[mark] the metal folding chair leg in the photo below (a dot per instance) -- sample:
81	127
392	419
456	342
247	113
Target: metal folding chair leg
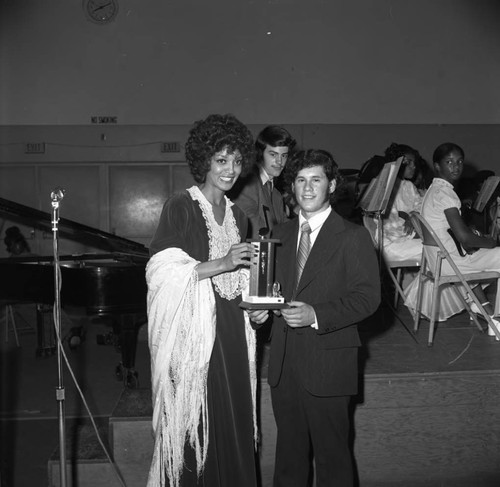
10	321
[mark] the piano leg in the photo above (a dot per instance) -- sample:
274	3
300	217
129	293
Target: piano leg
46	337
129	327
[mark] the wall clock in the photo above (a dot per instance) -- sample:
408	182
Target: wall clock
101	11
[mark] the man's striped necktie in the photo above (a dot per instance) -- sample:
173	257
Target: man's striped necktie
303	250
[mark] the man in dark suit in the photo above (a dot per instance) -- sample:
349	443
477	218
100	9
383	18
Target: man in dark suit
313	360
257	194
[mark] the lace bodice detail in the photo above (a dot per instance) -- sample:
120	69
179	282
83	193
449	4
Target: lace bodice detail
220	239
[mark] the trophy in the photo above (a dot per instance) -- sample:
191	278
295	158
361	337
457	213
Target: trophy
263	292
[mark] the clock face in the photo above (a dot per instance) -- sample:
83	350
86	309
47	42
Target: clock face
101	11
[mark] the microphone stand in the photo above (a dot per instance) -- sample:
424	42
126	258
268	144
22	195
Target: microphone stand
56	197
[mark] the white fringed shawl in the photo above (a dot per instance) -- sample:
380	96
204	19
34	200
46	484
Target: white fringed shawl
181	329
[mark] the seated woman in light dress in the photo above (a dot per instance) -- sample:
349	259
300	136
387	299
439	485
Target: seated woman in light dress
399	239
441	209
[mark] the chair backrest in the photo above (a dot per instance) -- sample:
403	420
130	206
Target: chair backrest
423	229
429	238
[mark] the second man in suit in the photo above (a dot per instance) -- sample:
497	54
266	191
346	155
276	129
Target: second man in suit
257	194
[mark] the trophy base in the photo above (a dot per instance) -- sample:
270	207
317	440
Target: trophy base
255	302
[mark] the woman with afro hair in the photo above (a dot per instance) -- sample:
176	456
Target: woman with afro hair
201	342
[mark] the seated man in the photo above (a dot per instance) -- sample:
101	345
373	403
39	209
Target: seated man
256	194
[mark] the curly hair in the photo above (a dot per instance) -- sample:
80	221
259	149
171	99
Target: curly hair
309	158
423	174
395	151
213	134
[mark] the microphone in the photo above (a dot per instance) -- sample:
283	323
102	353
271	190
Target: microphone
57	194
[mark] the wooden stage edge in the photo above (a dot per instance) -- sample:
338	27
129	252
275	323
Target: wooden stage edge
432	428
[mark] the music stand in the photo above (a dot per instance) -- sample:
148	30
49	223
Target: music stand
485	193
375	199
487	190
374	204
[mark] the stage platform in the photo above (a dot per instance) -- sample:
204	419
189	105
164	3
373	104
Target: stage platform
424	416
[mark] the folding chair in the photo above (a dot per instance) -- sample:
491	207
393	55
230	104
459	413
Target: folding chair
395	268
430	239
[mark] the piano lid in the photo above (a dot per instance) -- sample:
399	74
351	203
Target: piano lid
72	230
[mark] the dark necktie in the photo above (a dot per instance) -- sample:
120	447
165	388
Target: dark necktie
268	186
303	250
269	191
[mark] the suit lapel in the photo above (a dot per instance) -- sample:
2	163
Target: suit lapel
287	256
326	244
278	205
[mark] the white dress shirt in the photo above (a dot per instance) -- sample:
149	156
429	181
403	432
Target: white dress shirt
315	222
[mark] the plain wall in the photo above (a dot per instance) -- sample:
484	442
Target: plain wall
347	76
351	144
281	61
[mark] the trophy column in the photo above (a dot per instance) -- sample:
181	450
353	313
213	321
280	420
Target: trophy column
263	292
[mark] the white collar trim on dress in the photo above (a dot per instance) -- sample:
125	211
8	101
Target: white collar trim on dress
443	182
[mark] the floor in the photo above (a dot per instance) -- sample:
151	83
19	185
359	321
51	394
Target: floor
29	418
29	423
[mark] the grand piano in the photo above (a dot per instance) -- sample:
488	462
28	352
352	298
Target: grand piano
110	284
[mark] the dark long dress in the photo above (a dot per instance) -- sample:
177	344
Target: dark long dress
231	456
